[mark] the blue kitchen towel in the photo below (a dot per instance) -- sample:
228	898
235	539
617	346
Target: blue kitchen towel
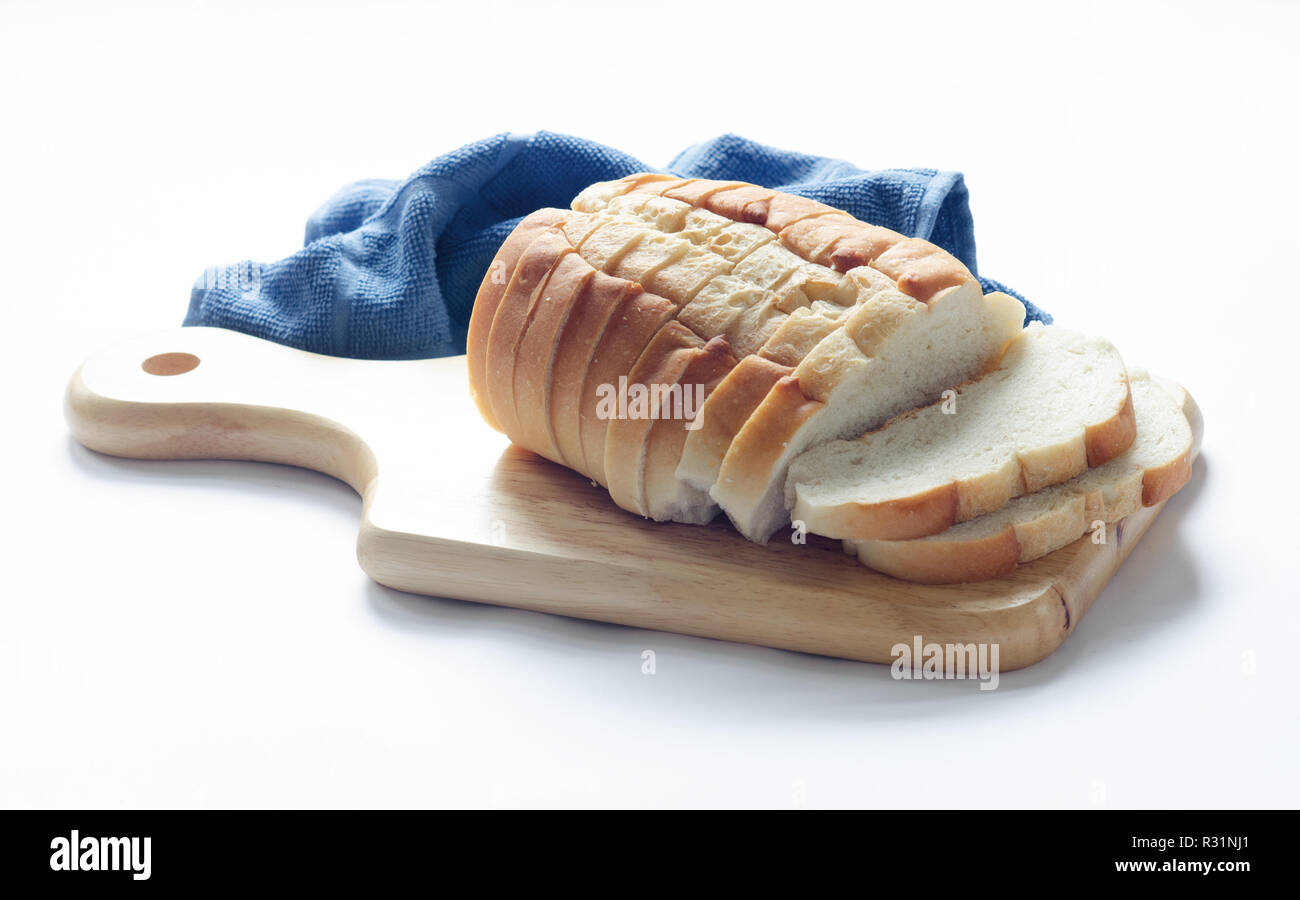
390	268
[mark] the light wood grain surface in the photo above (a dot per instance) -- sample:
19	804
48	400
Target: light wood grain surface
452	509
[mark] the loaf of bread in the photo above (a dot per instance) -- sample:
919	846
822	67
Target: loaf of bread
839	325
698	345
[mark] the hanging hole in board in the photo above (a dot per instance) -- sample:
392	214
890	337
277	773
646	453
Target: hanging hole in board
170	363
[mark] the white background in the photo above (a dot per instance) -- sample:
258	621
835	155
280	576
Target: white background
199	634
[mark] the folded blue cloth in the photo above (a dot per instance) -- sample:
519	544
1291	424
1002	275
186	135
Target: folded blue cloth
389	269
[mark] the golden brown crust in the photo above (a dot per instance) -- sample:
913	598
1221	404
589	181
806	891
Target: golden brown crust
522	294
726	411
857	247
625	337
787	210
490	291
966	561
1159	484
667	437
918	515
1107	440
921	269
696	190
535	363
641	180
601	298
762	440
747	203
663	362
815	236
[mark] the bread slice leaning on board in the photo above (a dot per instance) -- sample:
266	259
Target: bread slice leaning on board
684	342
1057	403
1151	471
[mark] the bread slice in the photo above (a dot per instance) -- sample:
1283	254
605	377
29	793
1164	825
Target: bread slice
491	290
732	241
668	498
772	267
1057	403
591	311
660	213
740	394
631	405
712	301
613	238
653	252
725	411
598	196
1152	470
893	353
819	248
688	253
814	231
527	287
675	373
732	307
627	333
692	191
682	279
534	374
762	206
854	323
800	332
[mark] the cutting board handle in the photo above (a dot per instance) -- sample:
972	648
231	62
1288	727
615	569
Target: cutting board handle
210	393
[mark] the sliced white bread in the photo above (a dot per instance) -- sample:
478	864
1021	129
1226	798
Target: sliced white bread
832	367
688	257
724	413
603	240
534	373
598	196
815	232
740	394
682	279
667	498
635	401
872	323
592	310
892	354
527	287
762	268
491	290
1057	403
720	307
1155	467
627	333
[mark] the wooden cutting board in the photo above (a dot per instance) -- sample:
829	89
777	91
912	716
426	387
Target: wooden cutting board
451	508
